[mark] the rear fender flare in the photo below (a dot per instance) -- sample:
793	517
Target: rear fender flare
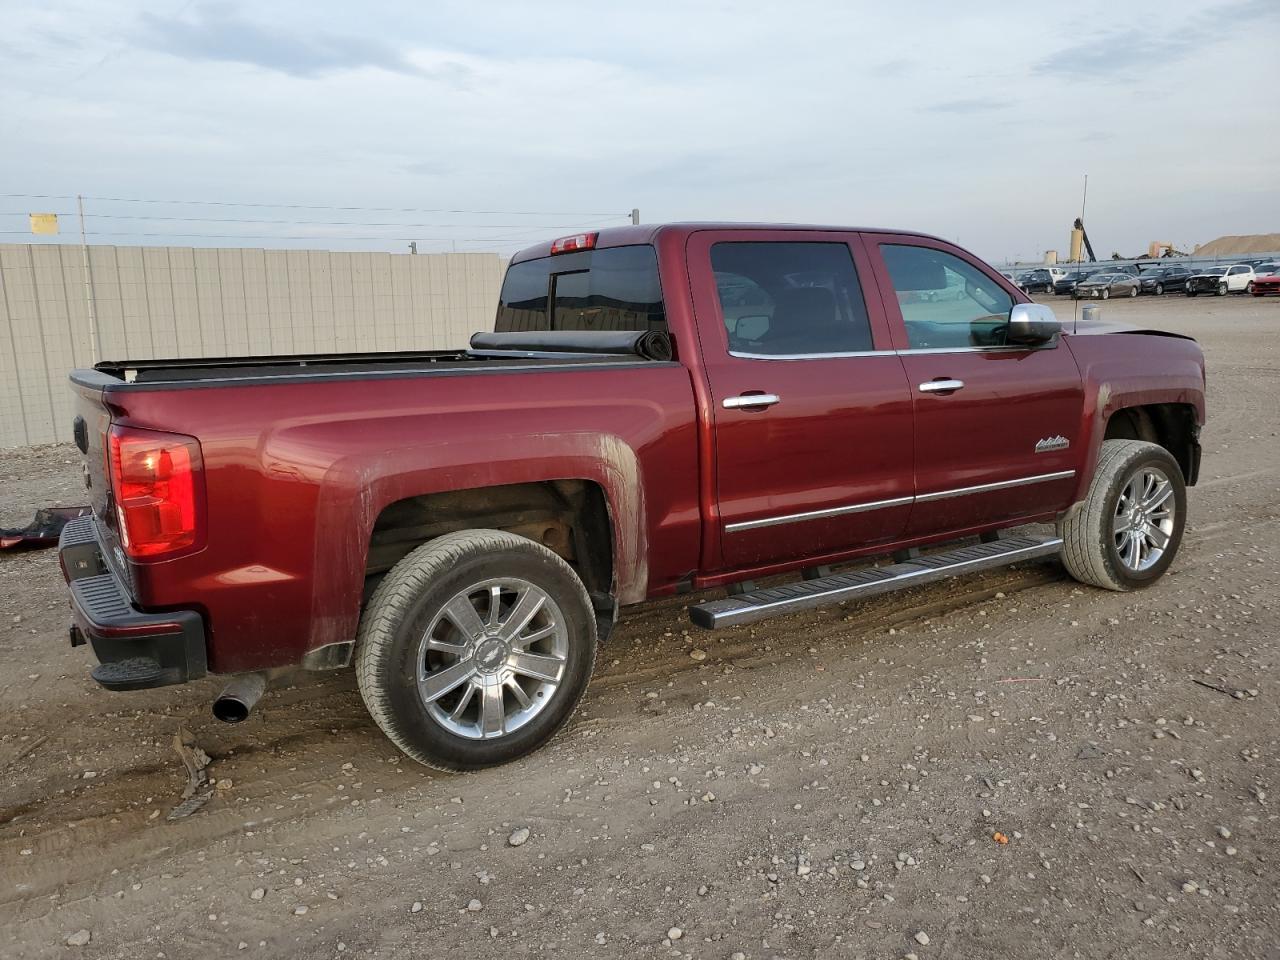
357	488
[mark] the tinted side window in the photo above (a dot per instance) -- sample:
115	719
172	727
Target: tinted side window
616	288
785	297
523	302
945	301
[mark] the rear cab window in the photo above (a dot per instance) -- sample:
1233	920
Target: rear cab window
790	298
614	288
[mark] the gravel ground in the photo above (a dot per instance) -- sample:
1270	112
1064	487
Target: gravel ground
1008	765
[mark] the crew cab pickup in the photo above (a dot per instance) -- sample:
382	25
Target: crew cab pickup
659	409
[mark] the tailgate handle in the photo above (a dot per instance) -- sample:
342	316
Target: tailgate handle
80	433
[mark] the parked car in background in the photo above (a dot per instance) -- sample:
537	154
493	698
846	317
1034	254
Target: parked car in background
1266	279
1040	280
1067	284
1104	286
1221	280
1161	279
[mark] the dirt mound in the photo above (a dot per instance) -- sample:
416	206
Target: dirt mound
1230	245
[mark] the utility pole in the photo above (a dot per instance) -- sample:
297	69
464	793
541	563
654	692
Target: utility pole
95	346
635	216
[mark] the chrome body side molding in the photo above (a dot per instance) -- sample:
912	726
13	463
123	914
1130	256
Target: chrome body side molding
895	502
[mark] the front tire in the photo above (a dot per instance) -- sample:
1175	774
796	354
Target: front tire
1222	289
1106	294
475	649
1126	532
1159	289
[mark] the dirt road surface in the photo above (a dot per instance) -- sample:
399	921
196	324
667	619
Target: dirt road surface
825	785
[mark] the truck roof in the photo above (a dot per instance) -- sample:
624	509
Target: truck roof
648	233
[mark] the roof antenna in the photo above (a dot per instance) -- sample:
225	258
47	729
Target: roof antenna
1075	310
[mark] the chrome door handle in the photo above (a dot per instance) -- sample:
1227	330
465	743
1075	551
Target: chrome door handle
751	400
941	386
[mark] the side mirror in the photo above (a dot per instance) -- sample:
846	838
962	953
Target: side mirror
1033	323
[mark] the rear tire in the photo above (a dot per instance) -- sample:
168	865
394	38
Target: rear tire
1126	532
1249	288
446	645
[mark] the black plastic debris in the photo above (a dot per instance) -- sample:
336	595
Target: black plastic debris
42	531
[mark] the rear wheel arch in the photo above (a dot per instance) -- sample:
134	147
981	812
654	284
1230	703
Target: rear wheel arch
571	517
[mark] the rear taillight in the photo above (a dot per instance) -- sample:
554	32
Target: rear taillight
579	241
158	483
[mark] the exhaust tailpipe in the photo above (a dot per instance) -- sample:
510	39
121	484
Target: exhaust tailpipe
239	697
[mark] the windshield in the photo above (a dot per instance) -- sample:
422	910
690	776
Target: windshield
1214	272
615	288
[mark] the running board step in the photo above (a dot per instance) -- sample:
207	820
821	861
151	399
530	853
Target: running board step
807	594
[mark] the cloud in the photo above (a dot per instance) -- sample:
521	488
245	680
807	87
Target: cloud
1128	52
892	68
509	106
217	32
964	106
1131	52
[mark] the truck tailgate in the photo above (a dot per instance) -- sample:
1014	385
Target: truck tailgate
89	430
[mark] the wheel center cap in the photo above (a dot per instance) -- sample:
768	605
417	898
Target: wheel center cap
490	654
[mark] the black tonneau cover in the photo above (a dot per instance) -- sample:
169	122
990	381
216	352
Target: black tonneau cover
490	352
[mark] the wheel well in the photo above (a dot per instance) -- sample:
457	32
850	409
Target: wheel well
569	517
1171	425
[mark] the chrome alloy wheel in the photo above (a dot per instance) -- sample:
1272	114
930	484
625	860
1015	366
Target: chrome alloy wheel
1144	519
492	658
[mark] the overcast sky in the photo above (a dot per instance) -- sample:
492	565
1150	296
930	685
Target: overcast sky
972	124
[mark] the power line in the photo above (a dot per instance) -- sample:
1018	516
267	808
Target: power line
259	236
524	232
300	206
301	223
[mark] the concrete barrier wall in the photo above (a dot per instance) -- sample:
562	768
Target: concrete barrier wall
155	302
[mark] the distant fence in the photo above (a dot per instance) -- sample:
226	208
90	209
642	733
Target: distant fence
154	302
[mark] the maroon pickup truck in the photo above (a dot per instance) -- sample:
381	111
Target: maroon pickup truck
659	409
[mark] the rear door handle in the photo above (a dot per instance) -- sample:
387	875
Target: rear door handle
941	386
751	400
